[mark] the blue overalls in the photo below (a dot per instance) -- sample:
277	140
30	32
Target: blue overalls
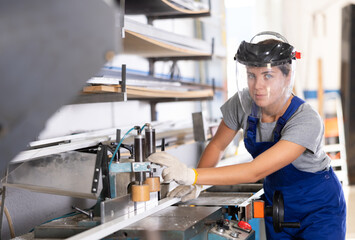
316	200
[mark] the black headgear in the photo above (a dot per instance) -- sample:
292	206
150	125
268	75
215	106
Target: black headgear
264	54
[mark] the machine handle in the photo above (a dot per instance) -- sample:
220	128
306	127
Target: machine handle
244	225
276	211
87	213
163	144
290	225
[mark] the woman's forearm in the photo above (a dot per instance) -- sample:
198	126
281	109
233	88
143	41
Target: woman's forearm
215	149
273	159
228	175
210	157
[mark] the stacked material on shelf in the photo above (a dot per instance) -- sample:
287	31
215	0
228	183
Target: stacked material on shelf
142	92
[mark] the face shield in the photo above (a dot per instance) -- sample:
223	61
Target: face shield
265	73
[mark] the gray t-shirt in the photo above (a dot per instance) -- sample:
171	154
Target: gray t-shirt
304	127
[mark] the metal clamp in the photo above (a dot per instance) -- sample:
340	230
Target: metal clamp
140	166
130	167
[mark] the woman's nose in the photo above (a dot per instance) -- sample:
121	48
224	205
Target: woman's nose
258	83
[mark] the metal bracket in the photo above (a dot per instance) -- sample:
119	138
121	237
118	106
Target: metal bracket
95	180
101	163
106	188
130	167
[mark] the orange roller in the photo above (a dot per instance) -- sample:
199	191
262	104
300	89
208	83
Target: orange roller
154	184
140	193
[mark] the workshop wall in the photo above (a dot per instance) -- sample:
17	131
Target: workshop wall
244	19
315	28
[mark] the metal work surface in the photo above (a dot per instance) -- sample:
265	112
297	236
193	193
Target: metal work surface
169	223
173	218
118	207
112	226
220	199
173	223
65	227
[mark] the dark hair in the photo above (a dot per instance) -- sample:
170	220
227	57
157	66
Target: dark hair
284	68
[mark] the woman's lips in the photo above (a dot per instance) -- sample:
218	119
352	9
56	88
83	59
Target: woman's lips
260	95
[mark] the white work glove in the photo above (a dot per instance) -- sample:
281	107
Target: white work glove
186	192
175	170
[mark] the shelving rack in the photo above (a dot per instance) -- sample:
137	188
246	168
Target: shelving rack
112	80
147	41
165	9
155	44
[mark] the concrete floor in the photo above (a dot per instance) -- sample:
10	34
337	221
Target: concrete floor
349	192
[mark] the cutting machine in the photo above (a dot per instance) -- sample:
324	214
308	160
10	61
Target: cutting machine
131	201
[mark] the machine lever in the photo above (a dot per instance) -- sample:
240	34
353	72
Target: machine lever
276	211
163	144
290	225
90	214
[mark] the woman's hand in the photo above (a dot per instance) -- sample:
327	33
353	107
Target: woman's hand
175	170
186	192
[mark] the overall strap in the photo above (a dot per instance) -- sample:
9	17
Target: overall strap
252	122
251	131
295	103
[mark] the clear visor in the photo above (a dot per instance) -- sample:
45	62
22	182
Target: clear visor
265	90
268	35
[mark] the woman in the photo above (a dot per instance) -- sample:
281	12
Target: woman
282	133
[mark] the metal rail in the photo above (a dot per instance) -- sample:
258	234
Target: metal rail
112	226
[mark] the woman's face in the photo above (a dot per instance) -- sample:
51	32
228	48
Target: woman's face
268	86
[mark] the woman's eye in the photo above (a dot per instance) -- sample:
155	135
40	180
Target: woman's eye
268	76
251	76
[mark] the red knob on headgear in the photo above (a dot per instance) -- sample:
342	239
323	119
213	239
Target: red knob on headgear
297	55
